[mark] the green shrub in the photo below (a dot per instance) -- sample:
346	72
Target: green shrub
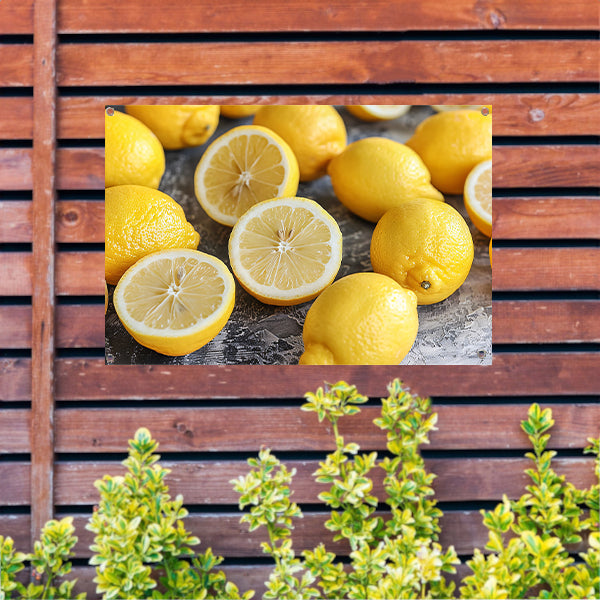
142	549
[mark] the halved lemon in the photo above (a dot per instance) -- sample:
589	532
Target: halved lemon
244	166
175	301
378	112
478	196
285	251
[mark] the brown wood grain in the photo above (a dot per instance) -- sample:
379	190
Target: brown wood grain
546	218
514	114
380	15
15	429
291	429
76	221
546	321
339	62
15	169
204	483
77	274
43	266
80	169
546	166
337	15
17	118
16	66
223	532
526	269
77	326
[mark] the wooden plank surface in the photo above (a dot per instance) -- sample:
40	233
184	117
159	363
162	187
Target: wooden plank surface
372	62
290	429
16	66
373	15
528	269
548	218
15	167
77	326
517	374
15	434
336	15
208	482
546	321
514	114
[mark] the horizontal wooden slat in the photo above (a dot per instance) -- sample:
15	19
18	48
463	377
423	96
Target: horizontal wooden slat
229	538
16	66
16	488
297	15
17	118
525	269
77	274
546	166
77	326
514	114
339	62
290	429
546	321
76	221
15	169
520	374
80	169
15	433
528	374
546	218
458	480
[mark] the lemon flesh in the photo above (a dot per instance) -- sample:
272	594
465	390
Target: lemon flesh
361	319
175	301
478	197
244	166
285	251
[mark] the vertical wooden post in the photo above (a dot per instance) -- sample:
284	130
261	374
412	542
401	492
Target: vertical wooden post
42	348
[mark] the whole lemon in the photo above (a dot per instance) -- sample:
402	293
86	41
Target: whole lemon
451	143
178	126
133	154
374	174
361	319
424	245
140	220
316	133
239	111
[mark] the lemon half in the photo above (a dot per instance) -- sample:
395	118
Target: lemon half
285	251
244	166
478	196
175	301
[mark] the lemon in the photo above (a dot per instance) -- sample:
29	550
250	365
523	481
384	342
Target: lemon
244	166
140	220
178	126
424	245
285	251
451	143
175	301
239	111
133	154
478	196
379	112
374	174
361	319
316	133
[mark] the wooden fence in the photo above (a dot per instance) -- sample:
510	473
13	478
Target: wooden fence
65	416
